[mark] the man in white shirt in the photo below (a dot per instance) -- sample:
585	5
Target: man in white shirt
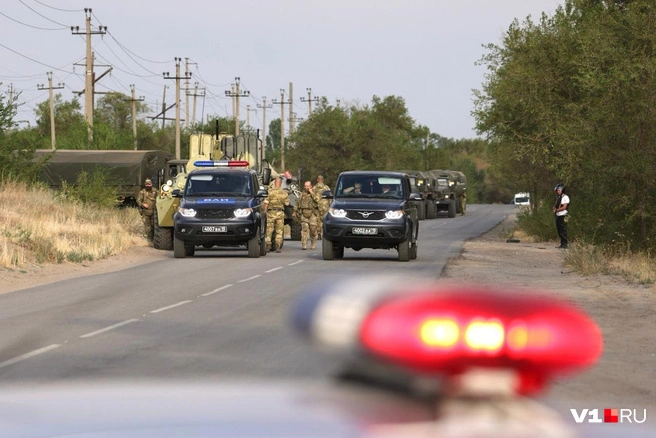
560	210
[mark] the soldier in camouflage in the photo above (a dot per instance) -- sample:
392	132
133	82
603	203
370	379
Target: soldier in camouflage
322	204
307	210
146	203
274	206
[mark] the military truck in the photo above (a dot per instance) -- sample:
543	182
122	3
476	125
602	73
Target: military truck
202	147
418	185
444	192
127	169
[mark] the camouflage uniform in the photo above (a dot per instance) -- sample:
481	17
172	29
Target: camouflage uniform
277	200
146	203
463	202
306	209
323	204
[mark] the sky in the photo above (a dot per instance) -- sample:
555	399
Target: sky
344	50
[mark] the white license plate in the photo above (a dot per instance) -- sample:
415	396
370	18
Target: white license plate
363	231
209	229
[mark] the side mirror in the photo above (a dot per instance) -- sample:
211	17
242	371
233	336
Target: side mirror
326	194
415	196
262	193
176	193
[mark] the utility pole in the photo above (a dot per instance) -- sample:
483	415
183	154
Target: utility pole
177	103
52	105
295	119
195	94
248	117
164	106
89	79
291	108
186	88
10	91
264	107
236	93
282	126
309	100
134	101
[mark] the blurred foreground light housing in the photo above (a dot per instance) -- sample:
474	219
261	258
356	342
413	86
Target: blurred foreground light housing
221	163
449	330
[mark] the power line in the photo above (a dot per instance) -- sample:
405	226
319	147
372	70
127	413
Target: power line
58	9
41	15
29	25
31	59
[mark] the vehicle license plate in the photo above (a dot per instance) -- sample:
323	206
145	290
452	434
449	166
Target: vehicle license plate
365	231
209	229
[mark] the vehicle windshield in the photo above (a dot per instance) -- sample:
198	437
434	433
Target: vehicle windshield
370	186
224	184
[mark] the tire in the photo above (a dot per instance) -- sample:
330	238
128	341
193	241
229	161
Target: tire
458	210
162	236
339	252
178	249
327	249
452	208
254	246
431	209
404	251
296	231
263	250
413	251
190	250
421	210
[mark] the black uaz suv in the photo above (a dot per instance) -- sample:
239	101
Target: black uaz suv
371	209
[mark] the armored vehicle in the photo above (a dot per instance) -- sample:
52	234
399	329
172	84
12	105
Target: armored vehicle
379	214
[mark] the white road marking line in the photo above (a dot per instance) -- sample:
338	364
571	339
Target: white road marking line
111	327
274	269
216	290
249	278
295	263
28	355
161	309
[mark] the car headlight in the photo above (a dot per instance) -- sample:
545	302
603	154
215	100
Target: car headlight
243	212
337	212
394	214
166	188
187	212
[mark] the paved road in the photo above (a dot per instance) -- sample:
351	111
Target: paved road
218	314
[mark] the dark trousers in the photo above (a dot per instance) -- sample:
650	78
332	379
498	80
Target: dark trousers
561	227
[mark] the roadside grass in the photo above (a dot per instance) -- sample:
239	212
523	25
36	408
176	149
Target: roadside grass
587	259
38	225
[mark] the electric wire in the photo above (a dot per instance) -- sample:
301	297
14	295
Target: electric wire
58	9
43	16
29	25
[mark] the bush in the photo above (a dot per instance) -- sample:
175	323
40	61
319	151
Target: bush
539	223
94	187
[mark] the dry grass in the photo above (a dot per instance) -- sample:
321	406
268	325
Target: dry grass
38	225
637	268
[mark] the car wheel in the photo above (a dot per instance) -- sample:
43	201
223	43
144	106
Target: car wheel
190	250
404	251
452	208
162	237
178	248
254	246
339	252
431	209
413	251
421	210
327	249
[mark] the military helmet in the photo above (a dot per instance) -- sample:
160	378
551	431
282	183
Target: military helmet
559	186
148	182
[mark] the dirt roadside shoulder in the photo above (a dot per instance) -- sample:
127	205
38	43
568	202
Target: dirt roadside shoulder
625	376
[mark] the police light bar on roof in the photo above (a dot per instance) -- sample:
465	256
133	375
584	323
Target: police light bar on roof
446	330
221	163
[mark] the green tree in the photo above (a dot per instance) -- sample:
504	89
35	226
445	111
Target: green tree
570	99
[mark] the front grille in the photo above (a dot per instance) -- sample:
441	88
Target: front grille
215	213
365	215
